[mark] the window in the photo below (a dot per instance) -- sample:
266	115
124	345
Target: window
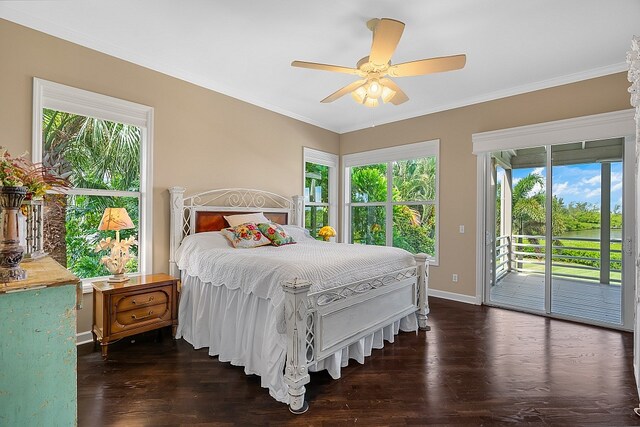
103	145
320	190
391	198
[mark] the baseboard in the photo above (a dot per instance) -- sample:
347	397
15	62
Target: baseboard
84	338
453	296
87	337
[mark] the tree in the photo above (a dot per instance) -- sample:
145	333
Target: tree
316	177
528	207
413	225
96	154
368	184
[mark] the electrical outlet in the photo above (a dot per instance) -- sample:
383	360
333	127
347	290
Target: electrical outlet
454	278
462	229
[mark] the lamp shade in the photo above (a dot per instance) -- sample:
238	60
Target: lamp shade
115	219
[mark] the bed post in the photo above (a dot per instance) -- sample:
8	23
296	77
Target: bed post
175	227
298	211
423	289
296	313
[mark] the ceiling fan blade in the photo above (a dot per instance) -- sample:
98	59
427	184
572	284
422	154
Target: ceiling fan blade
400	96
428	66
324	67
345	90
386	36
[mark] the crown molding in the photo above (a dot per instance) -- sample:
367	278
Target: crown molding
73	36
516	90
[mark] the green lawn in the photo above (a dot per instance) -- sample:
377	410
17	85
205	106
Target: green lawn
569	266
565	268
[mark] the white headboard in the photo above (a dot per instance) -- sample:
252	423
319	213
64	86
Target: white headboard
186	211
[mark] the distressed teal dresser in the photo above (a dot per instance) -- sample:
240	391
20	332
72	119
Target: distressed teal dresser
38	356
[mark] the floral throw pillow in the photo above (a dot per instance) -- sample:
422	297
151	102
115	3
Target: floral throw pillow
275	233
245	236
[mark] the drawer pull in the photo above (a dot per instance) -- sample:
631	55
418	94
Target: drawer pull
134	317
149	300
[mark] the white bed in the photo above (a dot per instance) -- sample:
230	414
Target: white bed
282	311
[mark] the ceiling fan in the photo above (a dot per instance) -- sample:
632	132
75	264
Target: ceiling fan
374	68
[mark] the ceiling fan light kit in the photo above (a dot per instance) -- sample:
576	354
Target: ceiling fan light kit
373	85
359	94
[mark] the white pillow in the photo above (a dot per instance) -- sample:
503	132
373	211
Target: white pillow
298	233
207	240
235	220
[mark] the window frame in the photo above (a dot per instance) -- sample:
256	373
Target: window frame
311	155
387	156
56	96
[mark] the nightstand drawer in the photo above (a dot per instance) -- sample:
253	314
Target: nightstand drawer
130	302
140	317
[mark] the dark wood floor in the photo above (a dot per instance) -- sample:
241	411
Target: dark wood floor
477	366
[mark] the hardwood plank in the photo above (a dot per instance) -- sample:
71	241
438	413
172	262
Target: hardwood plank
477	366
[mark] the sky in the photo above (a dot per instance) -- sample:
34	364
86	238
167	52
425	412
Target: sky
578	183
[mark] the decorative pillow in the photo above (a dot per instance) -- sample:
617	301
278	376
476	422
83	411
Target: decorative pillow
275	233
236	220
245	236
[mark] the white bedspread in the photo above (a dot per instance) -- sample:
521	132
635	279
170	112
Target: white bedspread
240	318
241	329
262	270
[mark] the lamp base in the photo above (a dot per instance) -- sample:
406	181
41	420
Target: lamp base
117	278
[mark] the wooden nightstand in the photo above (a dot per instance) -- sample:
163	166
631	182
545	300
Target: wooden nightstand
143	303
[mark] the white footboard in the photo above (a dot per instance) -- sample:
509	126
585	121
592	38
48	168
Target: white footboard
321	323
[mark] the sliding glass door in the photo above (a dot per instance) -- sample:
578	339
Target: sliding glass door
519	198
587	218
555	217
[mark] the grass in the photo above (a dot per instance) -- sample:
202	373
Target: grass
565	268
570	266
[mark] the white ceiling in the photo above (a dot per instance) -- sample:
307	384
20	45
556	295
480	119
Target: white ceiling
244	48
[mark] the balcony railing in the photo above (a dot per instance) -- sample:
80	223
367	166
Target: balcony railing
526	254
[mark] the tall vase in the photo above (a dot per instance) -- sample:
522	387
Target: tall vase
11	252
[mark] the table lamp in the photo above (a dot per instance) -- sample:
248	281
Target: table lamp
116	219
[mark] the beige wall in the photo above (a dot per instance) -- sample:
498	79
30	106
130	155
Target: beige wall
458	165
202	136
202	139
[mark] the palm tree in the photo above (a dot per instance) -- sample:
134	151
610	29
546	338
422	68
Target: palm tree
415	180
528	208
368	184
529	216
414	226
92	153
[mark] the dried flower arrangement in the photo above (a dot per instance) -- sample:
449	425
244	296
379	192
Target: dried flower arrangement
21	172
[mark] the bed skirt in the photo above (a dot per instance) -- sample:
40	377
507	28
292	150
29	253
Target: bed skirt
243	329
